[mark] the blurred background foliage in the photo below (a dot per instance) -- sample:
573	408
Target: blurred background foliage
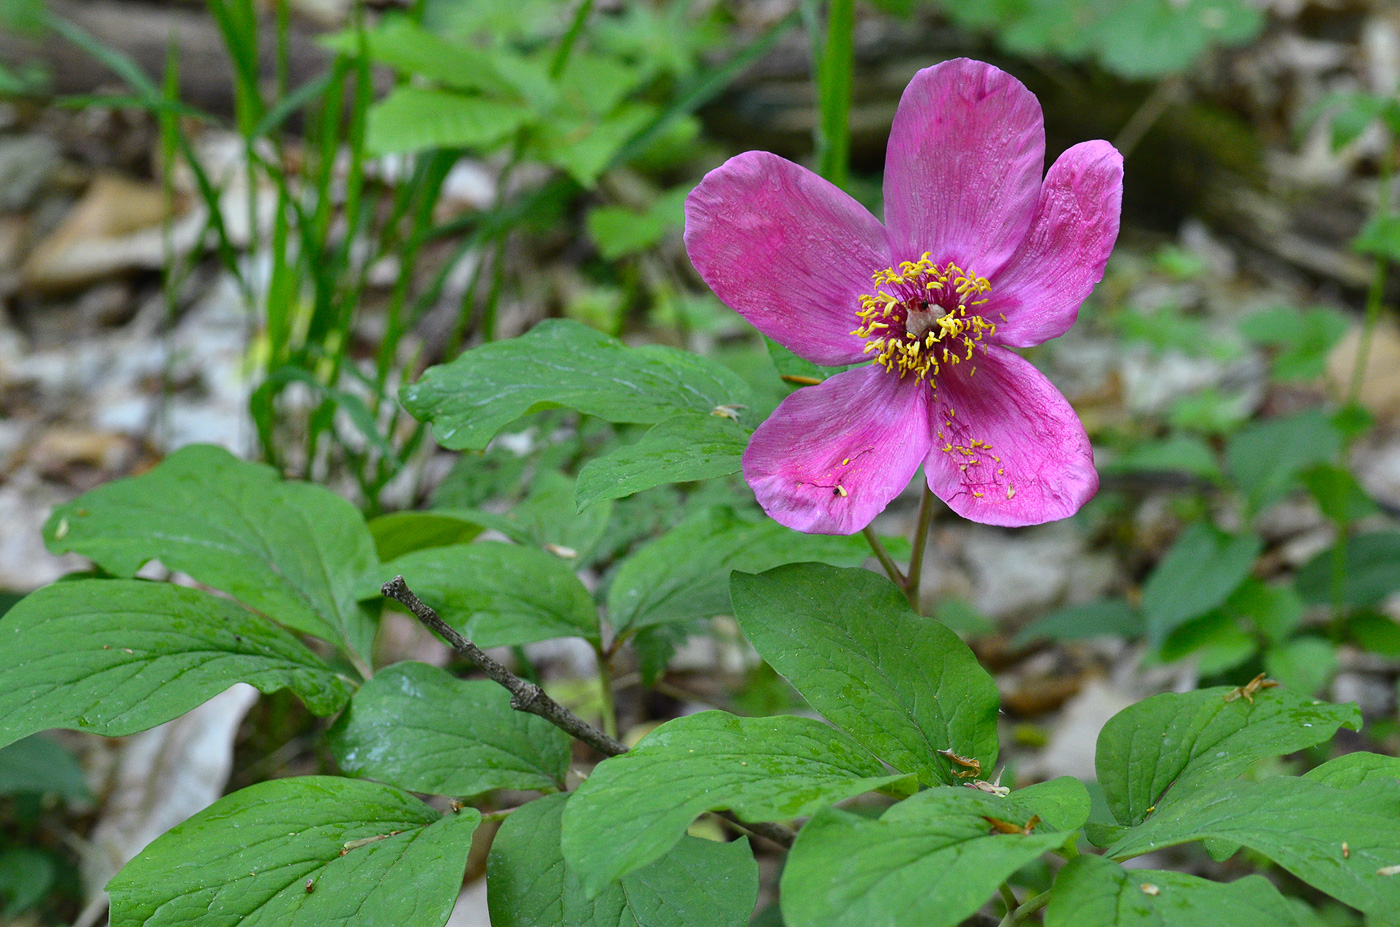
300	205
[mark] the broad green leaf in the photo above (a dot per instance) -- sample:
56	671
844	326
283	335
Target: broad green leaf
40	764
418	118
1376	632
685	573
1304	664
417	727
930	861
1369	571
584	146
1274	610
1304	338
406	46
400	533
699	883
1063	803
548	518
619	231
301	852
564	363
682	449
1095	892
1338	493
1162	749
1198	574
634	807
115	657
499	594
1339	840
293	551
1184	453
1215	640
1266	457
1353	769
903	685
1100	618
26	876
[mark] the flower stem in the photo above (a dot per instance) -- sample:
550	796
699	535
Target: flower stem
605	691
1031	906
1008	898
916	557
883	556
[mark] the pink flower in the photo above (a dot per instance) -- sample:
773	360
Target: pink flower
977	255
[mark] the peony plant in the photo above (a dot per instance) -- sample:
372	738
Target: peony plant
883	805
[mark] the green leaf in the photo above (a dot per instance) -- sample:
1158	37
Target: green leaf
1198	574
1158	752
115	657
41	765
903	685
1100	618
1215	640
682	449
407	47
1179	453
293	551
1337	840
1376	632
1338	494
1305	664
1095	892
418	118
1265	458
1304	337
400	533
1063	802
634	807
499	594
418	727
699	883
1369	573
584	146
301	852
1380	238
619	231
685	573
1353	769
564	363
1274	610
930	861
26	876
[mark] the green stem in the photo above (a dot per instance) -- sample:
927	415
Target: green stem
1031	906
883	556
916	557
835	77
1008	897
566	46
605	690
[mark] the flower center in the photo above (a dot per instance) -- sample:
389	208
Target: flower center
922	316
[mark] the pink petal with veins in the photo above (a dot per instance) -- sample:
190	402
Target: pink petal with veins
832	456
1007	447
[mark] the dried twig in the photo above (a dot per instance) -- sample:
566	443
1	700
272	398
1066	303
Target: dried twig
528	697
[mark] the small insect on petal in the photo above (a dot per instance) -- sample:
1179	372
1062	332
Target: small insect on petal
1149	889
310	886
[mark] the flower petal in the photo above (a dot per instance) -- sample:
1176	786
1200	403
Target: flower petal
1063	255
832	456
1007	447
963	166
788	251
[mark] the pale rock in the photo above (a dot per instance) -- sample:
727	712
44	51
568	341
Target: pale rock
1070	751
163	776
26	163
1380	387
471	908
1032	568
25	503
